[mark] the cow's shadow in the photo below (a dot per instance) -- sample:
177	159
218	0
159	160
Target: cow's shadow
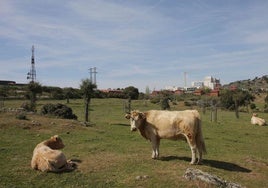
212	163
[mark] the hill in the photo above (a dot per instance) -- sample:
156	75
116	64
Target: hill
258	84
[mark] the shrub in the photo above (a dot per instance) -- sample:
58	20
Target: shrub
21	116
58	110
29	107
165	104
252	106
155	100
189	103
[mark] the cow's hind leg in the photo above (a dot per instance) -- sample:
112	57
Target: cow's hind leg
155	146
200	155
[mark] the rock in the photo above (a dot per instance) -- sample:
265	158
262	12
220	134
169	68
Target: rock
196	174
142	177
35	123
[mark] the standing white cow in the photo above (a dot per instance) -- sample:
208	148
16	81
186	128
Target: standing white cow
157	124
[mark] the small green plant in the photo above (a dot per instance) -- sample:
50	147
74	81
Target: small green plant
252	106
21	116
29	107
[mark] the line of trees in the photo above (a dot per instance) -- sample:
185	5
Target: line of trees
229	99
34	90
50	92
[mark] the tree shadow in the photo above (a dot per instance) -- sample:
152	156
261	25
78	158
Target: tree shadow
212	163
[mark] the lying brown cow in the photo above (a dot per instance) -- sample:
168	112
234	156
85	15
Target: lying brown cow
255	120
47	157
156	124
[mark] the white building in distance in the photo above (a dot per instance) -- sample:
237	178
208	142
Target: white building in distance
171	88
198	84
209	82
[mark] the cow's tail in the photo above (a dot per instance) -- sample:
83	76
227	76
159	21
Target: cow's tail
199	137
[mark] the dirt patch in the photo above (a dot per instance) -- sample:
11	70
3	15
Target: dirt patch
100	162
256	162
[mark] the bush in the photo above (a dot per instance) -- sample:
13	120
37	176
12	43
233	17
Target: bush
58	110
190	103
165	104
252	106
21	116
27	106
155	100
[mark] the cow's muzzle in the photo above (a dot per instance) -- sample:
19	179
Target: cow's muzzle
133	129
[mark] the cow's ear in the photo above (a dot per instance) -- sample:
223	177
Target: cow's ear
55	137
127	116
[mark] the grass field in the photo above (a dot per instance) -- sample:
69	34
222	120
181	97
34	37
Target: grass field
109	155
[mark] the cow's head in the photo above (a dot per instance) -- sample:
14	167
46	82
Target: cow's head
55	142
136	119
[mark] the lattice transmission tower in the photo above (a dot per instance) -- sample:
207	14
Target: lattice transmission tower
93	72
32	74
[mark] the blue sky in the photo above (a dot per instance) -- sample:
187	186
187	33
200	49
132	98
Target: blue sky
133	42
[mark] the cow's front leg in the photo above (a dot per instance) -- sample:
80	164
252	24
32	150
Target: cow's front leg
194	151
155	146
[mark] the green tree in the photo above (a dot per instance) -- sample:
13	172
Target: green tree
68	92
33	89
87	89
4	91
227	99
131	92
57	93
232	100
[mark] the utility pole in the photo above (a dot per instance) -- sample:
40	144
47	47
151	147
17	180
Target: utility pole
92	73
185	82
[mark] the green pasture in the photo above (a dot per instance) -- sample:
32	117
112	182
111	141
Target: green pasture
108	154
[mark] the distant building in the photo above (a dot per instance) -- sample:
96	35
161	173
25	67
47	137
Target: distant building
155	93
171	88
212	83
198	84
109	90
7	82
209	82
179	91
189	89
214	93
199	92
